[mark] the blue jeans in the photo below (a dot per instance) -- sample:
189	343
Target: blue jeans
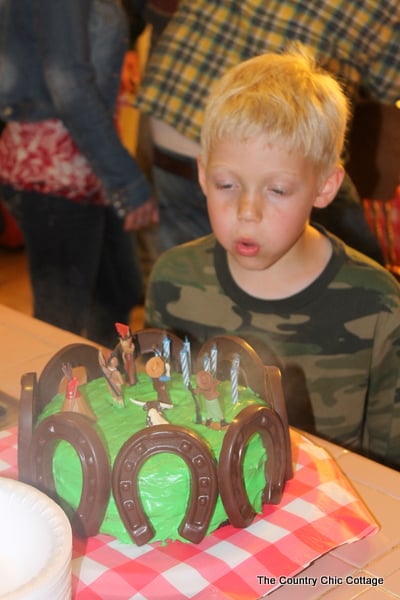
183	210
82	266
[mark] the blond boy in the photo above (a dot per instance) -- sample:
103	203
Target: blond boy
272	137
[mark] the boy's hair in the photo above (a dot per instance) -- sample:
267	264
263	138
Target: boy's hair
287	97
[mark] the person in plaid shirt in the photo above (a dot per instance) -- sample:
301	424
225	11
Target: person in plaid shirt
327	315
359	43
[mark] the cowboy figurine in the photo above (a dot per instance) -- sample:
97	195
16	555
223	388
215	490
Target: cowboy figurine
155	368
109	365
207	387
127	352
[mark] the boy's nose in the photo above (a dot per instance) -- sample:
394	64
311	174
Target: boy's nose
249	208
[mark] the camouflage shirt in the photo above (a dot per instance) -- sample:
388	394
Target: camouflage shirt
337	342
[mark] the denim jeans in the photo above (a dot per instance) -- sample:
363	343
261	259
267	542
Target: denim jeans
183	210
82	266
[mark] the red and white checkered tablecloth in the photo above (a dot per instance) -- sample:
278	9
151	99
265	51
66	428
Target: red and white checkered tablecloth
319	511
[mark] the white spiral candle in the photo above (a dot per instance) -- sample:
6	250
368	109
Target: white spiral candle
185	367
214	359
235	378
166	348
186	345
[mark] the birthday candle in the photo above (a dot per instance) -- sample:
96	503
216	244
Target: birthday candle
214	358
235	378
166	347
206	362
185	367
186	345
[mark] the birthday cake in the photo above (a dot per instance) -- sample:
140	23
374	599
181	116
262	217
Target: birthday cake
148	443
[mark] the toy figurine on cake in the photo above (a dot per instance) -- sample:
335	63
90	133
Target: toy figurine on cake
211	433
207	386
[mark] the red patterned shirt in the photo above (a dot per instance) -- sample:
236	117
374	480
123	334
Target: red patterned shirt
43	157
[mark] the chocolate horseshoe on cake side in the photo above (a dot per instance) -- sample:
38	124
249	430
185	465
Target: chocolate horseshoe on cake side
75	429
204	490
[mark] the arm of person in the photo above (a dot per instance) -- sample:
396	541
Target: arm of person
183	294
382	422
134	10
380	73
157	297
84	96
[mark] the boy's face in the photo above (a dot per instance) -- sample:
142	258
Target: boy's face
259	200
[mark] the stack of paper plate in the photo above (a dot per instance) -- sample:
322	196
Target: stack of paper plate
35	545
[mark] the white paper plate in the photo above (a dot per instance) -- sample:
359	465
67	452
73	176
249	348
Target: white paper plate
35	545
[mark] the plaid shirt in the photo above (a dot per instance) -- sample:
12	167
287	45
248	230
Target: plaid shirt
359	42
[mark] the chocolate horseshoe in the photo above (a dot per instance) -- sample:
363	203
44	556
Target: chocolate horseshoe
27	415
273	379
204	488
96	473
265	422
78	355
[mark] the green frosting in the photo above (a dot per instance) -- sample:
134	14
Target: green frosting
164	480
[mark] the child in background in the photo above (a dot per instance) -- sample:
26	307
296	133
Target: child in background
272	138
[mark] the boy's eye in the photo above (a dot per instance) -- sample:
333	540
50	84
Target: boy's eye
224	186
278	191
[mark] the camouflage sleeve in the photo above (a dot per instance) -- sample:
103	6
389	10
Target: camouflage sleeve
382	418
162	290
355	390
182	287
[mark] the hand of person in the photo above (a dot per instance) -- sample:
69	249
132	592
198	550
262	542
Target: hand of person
146	214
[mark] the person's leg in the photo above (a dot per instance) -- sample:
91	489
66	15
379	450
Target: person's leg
183	209
118	287
63	243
